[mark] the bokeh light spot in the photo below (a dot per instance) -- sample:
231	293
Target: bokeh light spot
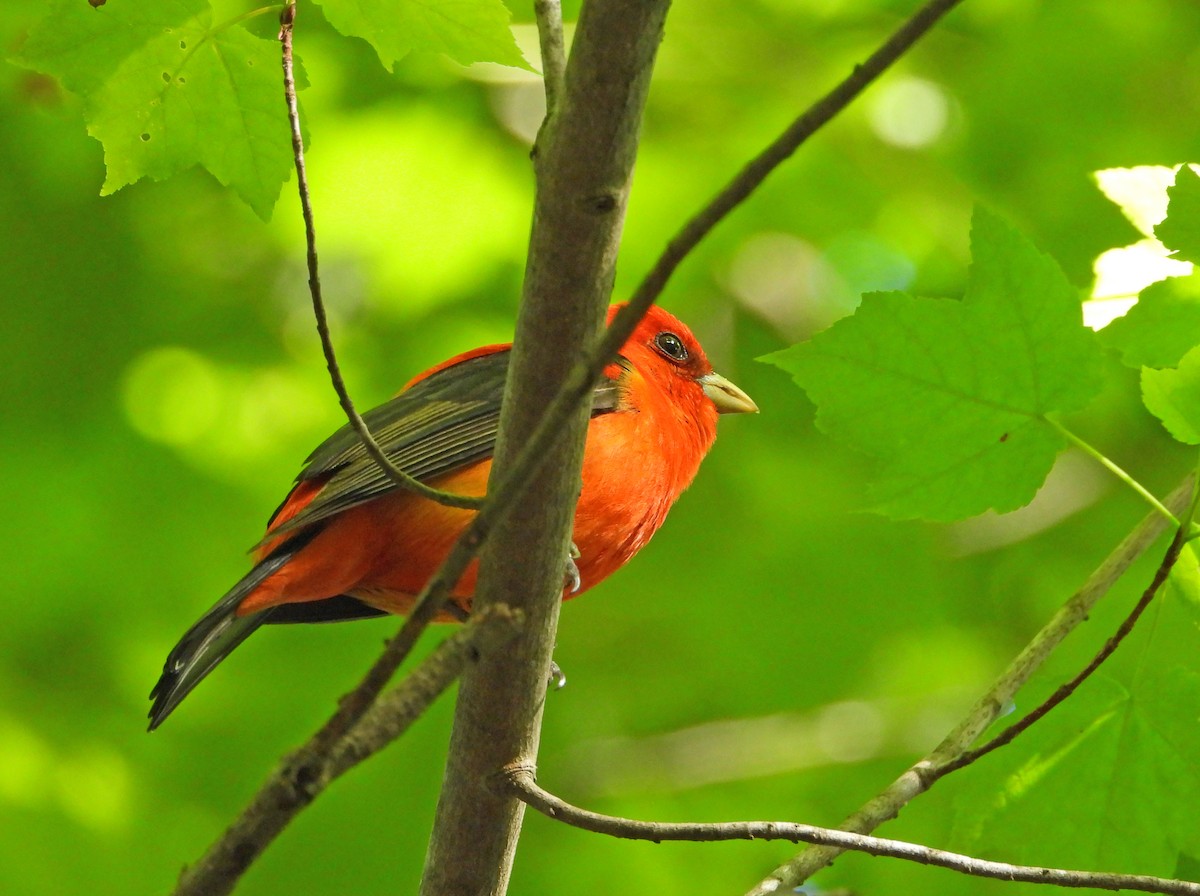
25	762
909	112
172	395
93	787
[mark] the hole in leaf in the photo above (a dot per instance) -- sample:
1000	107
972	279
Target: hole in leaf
183	45
249	62
181	79
145	138
167	77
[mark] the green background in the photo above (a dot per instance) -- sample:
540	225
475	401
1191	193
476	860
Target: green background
774	654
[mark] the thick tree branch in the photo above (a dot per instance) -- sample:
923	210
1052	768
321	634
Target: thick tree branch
304	775
520	781
916	780
583	166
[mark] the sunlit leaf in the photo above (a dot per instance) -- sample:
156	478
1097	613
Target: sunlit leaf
1140	192
1181	229
465	30
1173	396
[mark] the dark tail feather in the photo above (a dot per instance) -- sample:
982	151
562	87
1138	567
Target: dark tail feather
204	646
215	635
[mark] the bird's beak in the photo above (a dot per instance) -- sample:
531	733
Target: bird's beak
728	398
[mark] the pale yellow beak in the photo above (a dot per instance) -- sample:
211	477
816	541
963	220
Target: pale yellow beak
728	398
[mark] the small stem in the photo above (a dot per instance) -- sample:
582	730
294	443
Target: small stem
238	19
394	473
1109	465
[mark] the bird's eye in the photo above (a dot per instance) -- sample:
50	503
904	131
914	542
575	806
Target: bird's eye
671	346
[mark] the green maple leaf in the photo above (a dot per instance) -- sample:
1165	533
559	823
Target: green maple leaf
1181	228
465	30
1109	779
164	90
1173	396
952	397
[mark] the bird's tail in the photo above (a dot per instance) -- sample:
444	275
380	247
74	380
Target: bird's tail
215	634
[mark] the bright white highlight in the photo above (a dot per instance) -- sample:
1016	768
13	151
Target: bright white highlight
909	112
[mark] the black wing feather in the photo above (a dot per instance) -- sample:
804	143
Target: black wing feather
444	423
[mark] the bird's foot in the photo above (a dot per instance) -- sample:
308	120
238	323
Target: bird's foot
557	679
571	573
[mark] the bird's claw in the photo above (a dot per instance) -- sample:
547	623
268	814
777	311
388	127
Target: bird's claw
571	573
557	679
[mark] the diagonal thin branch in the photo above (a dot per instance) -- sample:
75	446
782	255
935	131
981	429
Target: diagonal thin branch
917	779
578	385
302	776
394	473
756	171
520	781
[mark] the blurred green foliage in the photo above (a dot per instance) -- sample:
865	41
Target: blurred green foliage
773	654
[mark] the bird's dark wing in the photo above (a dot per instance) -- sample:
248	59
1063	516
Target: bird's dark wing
441	424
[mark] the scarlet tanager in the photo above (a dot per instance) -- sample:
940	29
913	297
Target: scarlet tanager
347	543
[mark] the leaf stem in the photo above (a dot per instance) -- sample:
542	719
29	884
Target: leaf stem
1112	467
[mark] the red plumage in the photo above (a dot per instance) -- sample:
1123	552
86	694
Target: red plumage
346	542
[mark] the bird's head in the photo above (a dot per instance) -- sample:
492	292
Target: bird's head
666	352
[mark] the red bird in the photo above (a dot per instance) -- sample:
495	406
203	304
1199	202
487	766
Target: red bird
347	543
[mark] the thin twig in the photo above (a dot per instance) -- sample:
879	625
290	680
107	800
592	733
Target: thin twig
394	473
426	606
916	780
302	776
757	170
1009	734
548	14
519	781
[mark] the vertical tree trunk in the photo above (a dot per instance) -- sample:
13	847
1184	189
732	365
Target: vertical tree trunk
584	162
